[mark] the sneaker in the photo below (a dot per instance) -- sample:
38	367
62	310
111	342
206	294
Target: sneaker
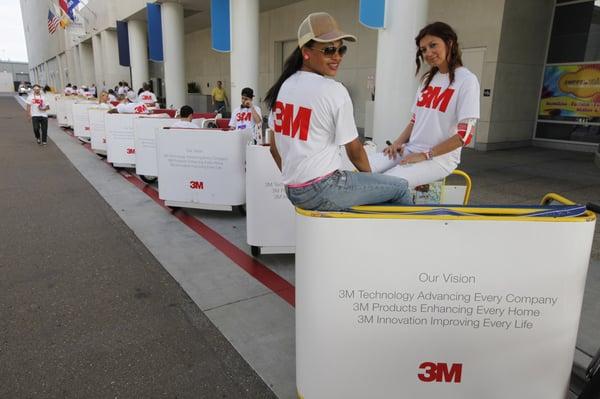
44	143
39	141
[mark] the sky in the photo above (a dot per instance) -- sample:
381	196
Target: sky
12	36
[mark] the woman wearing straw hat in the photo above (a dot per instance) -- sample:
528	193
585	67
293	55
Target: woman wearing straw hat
312	116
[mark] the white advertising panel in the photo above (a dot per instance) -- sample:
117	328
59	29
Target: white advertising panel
97	129
202	167
145	130
120	146
270	216
51	102
81	120
64	110
438	308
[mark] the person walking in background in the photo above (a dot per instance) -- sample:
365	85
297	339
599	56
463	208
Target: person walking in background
36	112
219	98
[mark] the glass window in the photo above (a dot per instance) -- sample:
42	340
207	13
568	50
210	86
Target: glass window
568	132
575	33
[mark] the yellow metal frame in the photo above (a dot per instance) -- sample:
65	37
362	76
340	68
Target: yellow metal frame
483	213
556	197
468	183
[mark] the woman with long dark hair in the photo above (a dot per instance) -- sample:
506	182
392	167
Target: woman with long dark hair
312	116
444	113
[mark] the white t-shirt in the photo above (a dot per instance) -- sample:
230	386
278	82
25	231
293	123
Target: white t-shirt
111	97
68	91
122	90
132	108
241	118
37	101
439	108
313	116
147	97
183	124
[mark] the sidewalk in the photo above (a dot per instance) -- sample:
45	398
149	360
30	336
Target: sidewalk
87	311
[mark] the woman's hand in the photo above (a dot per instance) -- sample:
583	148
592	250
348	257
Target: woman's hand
394	150
413	158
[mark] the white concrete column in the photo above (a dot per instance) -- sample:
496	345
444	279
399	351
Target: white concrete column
60	81
46	74
77	80
98	70
244	47
173	54
70	69
138	53
113	72
86	60
395	81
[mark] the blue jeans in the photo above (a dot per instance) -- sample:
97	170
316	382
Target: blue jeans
343	190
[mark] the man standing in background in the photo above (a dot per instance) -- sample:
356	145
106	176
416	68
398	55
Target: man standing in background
219	98
36	112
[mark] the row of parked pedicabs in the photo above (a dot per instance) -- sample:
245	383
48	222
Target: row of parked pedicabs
205	168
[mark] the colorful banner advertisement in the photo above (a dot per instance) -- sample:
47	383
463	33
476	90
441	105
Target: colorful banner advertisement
571	91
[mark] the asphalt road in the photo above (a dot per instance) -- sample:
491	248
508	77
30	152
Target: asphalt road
85	310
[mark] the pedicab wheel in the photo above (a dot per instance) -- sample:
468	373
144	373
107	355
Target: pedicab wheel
255	250
148	179
241	210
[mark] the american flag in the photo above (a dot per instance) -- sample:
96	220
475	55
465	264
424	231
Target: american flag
53	22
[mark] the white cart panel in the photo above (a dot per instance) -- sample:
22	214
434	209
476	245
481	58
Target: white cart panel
97	129
270	215
438	307
51	101
64	110
202	168
145	130
81	120
120	145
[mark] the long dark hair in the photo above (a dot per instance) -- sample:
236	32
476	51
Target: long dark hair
292	65
448	35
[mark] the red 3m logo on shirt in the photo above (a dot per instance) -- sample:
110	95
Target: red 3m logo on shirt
287	124
440	372
196	185
432	98
146	97
243	116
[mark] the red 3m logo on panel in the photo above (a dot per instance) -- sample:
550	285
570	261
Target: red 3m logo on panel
244	116
196	185
130	151
433	97
440	372
289	125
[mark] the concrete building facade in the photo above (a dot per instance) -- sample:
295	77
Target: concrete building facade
506	43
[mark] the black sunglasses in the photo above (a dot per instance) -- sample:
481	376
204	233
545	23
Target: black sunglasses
330	51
